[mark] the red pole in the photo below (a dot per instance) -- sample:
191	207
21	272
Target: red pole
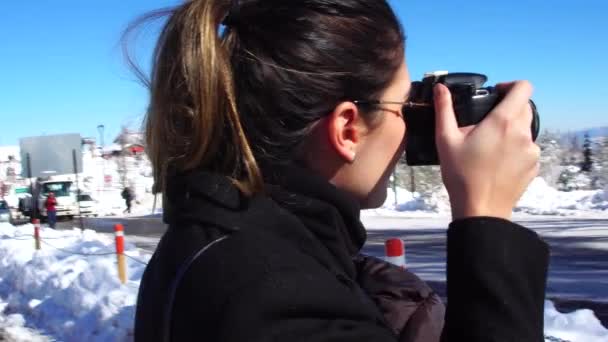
395	252
36	223
120	250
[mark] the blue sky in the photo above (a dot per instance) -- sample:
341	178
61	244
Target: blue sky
61	68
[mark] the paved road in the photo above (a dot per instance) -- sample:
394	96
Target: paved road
578	269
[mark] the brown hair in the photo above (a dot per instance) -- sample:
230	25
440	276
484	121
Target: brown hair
231	98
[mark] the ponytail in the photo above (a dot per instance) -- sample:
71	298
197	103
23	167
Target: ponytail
193	121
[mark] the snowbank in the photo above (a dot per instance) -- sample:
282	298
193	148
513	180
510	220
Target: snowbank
12	328
104	179
413	204
539	199
73	297
111	203
578	326
69	296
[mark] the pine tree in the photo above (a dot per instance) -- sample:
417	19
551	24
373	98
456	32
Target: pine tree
572	153
571	179
550	157
587	164
428	179
600	165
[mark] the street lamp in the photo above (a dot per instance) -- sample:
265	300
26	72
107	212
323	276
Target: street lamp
100	129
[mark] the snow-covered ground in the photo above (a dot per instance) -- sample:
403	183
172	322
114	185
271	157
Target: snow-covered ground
69	289
581	325
61	292
539	199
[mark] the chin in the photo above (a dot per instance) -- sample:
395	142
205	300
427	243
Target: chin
375	199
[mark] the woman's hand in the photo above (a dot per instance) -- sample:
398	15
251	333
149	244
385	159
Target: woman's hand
487	167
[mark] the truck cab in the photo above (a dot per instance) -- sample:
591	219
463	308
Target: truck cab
67	204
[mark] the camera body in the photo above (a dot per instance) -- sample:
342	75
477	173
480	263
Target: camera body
472	102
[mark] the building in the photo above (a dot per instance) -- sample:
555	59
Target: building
129	143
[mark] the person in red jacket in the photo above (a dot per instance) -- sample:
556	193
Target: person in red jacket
51	210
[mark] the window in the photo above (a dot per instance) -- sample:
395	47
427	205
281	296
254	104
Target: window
59	188
84	198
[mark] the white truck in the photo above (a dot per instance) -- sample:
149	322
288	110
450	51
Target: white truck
65	193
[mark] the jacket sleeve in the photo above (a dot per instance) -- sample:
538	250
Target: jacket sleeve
496	278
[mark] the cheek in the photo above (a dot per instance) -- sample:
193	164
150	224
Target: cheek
388	146
395	141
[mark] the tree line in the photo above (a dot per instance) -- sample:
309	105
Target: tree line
566	163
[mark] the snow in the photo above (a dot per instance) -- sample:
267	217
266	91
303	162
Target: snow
542	199
580	325
9	151
137	174
12	328
72	297
103	179
67	295
538	199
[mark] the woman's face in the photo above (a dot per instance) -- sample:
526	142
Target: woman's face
382	146
359	157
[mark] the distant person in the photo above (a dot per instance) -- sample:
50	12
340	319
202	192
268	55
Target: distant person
271	124
51	210
127	195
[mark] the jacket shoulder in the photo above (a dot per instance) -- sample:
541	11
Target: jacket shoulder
265	285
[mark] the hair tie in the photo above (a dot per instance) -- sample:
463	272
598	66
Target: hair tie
232	17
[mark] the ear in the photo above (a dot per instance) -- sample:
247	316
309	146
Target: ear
344	130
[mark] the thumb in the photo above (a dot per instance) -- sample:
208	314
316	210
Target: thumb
446	127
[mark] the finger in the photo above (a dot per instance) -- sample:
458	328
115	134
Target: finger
527	120
504	87
515	99
445	119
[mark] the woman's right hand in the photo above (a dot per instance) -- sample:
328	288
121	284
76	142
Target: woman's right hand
486	168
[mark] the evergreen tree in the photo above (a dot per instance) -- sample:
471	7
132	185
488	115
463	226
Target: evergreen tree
550	157
571	178
427	179
572	153
587	164
600	165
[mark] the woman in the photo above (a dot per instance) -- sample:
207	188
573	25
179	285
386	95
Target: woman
265	160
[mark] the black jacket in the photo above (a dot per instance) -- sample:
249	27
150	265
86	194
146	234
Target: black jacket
286	271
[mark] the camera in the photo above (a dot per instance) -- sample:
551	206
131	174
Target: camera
472	102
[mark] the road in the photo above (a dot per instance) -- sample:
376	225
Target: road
578	271
578	268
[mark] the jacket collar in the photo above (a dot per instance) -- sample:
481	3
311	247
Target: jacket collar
192	195
330	213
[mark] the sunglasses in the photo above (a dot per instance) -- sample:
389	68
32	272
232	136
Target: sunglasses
405	105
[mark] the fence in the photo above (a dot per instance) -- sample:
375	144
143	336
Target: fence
119	250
